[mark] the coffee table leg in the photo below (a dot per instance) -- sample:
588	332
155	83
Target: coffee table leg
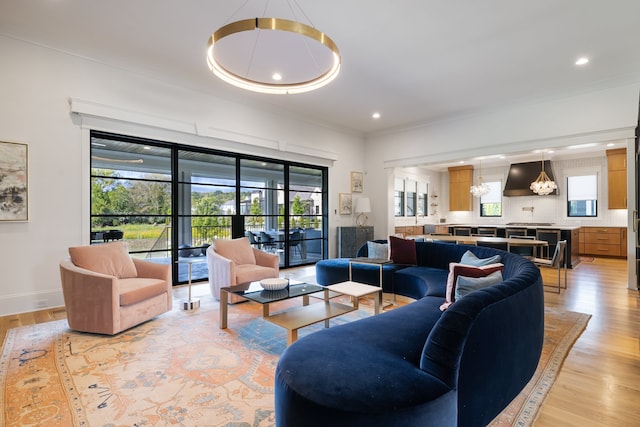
292	336
265	310
326	299
224	305
377	298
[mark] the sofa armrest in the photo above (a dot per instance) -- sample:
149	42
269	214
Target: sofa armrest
266	259
152	270
156	270
222	271
89	297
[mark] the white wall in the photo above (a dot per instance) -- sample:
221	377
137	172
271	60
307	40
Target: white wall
36	84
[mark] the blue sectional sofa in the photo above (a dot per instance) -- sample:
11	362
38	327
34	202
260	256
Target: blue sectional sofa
416	365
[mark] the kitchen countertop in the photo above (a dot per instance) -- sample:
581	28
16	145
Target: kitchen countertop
531	225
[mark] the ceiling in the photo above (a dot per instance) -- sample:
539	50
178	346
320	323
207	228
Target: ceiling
413	61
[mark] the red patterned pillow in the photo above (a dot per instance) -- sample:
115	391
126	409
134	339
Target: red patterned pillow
402	251
456	269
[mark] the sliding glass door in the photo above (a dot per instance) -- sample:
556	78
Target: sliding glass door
169	202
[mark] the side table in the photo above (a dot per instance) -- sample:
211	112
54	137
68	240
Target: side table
190	303
375	261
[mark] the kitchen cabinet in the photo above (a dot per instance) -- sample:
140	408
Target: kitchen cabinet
617	178
603	241
460	180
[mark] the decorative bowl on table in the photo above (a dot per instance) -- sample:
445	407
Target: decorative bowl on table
274	284
281	293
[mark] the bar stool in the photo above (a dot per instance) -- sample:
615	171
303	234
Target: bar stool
487	231
462	231
552	237
523	250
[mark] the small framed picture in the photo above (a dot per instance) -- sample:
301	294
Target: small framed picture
14	189
357	185
346	202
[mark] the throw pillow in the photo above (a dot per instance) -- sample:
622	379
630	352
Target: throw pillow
469	258
402	251
111	259
237	250
378	250
457	269
466	285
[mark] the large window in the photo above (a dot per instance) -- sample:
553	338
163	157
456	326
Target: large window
491	203
131	192
170	201
398	197
410	198
582	196
423	199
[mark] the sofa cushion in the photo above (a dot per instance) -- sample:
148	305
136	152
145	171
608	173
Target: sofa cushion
377	250
134	290
469	258
417	282
466	285
457	269
237	250
403	251
111	259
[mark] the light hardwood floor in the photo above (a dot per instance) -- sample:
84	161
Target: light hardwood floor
599	384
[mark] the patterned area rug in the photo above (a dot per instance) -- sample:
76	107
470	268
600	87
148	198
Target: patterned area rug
180	369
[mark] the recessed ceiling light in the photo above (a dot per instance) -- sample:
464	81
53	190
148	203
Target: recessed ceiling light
611	144
582	61
146	147
276	76
376	115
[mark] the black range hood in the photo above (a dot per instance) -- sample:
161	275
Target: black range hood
521	175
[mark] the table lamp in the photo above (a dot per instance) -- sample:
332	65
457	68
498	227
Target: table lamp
363	207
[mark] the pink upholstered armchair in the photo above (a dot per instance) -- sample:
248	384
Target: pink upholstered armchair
233	262
107	291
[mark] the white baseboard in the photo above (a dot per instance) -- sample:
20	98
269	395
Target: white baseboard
29	302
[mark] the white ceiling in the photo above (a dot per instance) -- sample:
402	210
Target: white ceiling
414	61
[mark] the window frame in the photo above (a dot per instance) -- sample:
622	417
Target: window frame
498	189
594	202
